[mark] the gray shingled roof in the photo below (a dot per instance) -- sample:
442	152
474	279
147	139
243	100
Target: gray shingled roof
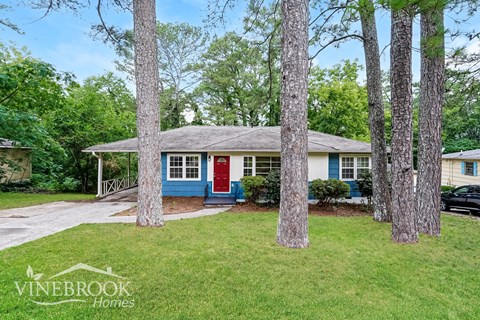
235	138
472	154
10	144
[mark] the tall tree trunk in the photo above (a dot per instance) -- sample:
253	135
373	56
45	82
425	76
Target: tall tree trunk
150	212
382	202
404	227
293	219
430	120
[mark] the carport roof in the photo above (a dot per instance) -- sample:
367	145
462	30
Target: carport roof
234	139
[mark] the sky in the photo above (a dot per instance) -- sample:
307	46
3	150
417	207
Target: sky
63	38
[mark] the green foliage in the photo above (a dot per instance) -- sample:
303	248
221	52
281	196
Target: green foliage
461	112
179	48
337	104
272	184
252	187
230	87
446	188
365	185
17	186
100	111
44	109
326	191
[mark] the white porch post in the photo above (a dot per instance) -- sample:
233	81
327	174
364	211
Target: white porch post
100	175
128	169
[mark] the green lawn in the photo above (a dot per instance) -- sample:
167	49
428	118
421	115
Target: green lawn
10	200
228	267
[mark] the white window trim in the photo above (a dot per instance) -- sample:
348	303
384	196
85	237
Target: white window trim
255	162
184	166
254	173
355	166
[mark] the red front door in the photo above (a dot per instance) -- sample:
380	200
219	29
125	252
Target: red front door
221	174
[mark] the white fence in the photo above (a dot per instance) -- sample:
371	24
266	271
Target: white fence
119	184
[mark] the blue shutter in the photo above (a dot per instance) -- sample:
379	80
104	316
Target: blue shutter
463	167
475	168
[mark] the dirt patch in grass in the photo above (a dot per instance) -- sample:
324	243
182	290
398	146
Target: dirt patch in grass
172	205
340	210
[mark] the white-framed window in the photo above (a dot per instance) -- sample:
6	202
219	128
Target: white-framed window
352	166
363	165
248	166
348	168
184	167
263	165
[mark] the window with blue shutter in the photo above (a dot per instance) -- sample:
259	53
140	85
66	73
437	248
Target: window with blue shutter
469	168
463	168
475	172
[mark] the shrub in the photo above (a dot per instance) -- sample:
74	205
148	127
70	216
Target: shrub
327	190
272	184
447	188
365	185
17	186
252	187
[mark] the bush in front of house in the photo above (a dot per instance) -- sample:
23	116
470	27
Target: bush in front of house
365	185
326	191
252	187
272	184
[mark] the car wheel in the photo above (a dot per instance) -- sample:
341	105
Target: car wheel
444	206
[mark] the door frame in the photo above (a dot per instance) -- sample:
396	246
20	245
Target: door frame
229	174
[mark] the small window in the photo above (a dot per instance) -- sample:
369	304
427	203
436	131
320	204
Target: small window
469	168
247	166
263	165
351	167
348	168
363	165
184	167
176	167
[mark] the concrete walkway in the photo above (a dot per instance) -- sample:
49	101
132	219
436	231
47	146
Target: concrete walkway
21	225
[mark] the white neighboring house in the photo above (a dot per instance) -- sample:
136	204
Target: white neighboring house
460	168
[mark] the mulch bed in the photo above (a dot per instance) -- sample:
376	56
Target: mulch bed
175	205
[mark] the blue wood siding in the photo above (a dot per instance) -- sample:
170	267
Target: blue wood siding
334	173
236	190
333	166
180	188
197	188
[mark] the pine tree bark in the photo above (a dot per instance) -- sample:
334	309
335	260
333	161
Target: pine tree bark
430	121
382	202
150	212
404	229
293	219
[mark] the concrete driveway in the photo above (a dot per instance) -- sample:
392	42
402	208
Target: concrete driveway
21	225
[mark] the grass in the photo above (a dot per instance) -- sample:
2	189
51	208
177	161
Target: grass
228	267
9	200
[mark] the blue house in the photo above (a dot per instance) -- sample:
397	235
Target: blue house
208	161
